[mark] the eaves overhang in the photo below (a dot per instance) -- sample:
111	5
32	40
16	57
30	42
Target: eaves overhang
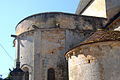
97	37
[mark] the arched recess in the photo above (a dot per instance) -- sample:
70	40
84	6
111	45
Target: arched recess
51	74
28	71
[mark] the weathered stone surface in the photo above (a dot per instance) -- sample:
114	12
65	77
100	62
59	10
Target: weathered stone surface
97	61
94	10
65	21
41	49
45	37
99	8
112	7
17	74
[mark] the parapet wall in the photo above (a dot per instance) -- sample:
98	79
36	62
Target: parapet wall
64	20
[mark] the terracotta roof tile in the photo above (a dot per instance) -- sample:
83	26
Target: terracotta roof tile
100	36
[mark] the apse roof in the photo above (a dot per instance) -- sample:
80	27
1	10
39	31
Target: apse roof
100	36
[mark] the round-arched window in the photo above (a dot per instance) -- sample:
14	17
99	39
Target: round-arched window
51	74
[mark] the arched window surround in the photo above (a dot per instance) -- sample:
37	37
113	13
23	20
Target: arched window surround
51	74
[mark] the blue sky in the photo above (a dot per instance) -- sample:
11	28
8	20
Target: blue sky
12	11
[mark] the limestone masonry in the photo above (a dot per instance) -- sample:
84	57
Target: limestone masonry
64	46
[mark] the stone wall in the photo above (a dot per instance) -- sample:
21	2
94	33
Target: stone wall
42	49
65	21
97	8
45	37
112	7
97	61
